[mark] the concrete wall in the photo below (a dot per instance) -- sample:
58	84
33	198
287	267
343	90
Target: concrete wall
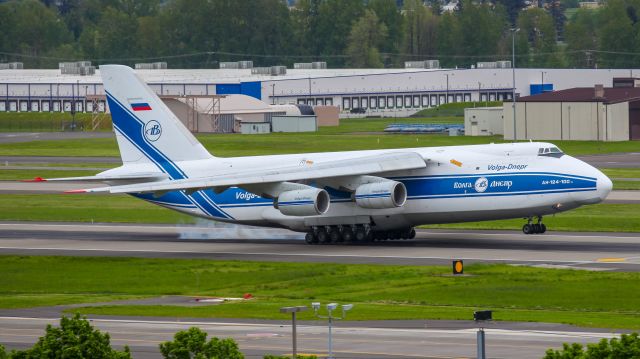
580	121
483	121
616	122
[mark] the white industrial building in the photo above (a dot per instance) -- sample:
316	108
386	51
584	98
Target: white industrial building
588	113
382	92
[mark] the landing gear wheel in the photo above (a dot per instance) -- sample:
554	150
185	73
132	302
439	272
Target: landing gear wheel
361	234
335	236
526	229
310	238
347	235
543	228
323	237
412	234
536	228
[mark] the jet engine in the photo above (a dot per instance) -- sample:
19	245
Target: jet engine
304	202
378	195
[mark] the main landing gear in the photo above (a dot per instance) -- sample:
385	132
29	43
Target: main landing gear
354	234
534	228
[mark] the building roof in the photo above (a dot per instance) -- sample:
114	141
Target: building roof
587	94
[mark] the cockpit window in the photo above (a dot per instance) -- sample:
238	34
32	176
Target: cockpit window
550	152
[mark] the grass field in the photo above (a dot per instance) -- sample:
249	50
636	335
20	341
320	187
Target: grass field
227	145
49	121
378	292
125	209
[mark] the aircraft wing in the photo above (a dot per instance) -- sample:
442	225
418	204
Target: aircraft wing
366	165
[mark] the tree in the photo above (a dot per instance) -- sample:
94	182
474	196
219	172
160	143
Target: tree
627	347
3	352
538	28
513	8
192	344
581	37
75	338
389	15
420	30
616	34
366	36
483	30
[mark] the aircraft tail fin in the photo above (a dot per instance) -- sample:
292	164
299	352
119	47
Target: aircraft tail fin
146	129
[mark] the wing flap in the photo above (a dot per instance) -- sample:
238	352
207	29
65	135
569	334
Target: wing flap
387	162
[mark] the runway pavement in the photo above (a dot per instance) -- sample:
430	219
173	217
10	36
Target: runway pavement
588	251
349	340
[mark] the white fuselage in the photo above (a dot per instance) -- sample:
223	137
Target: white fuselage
459	184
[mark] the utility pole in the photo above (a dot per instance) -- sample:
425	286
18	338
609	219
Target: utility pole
513	72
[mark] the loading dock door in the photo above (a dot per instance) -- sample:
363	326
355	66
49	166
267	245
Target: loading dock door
634	120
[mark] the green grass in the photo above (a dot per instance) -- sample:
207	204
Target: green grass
18	175
455	109
621	173
378	291
125	209
85	208
330	139
597	218
48	121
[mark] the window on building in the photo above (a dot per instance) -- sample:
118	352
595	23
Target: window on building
434	100
443	99
450	98
483	97
301	101
416	101
390	102
364	102
320	101
355	102
382	101
492	96
373	101
407	101
328	101
467	97
458	97
425	100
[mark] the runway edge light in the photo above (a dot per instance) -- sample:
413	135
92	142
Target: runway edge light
458	267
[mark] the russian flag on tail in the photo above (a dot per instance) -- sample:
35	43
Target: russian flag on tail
141	106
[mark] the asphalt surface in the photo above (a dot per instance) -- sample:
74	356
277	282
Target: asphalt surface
587	251
364	340
15	137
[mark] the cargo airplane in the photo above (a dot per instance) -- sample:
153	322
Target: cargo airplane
335	196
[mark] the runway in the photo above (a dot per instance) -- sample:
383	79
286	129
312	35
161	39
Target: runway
256	339
588	251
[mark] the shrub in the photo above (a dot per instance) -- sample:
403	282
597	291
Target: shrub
625	347
75	338
192	344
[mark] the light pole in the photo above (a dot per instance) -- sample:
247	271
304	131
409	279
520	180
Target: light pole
293	311
446	100
542	81
330	308
513	72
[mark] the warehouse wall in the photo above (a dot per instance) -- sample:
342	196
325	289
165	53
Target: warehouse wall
580	121
617	122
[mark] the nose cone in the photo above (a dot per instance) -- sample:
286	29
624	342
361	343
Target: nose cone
604	186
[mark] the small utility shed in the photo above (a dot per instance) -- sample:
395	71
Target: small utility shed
584	113
483	121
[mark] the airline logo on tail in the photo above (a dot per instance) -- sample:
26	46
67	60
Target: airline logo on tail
141	106
152	130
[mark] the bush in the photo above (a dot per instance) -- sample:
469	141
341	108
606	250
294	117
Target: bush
75	338
192	344
287	357
3	352
626	347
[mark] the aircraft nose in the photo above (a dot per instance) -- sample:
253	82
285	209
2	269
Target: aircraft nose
604	186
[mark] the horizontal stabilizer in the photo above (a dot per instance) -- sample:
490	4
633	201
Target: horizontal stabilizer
144	177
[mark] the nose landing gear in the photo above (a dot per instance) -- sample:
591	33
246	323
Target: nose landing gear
534	228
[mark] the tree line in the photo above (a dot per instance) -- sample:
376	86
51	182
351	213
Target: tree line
344	33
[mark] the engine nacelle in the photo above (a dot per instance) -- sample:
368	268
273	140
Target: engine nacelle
378	195
306	202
